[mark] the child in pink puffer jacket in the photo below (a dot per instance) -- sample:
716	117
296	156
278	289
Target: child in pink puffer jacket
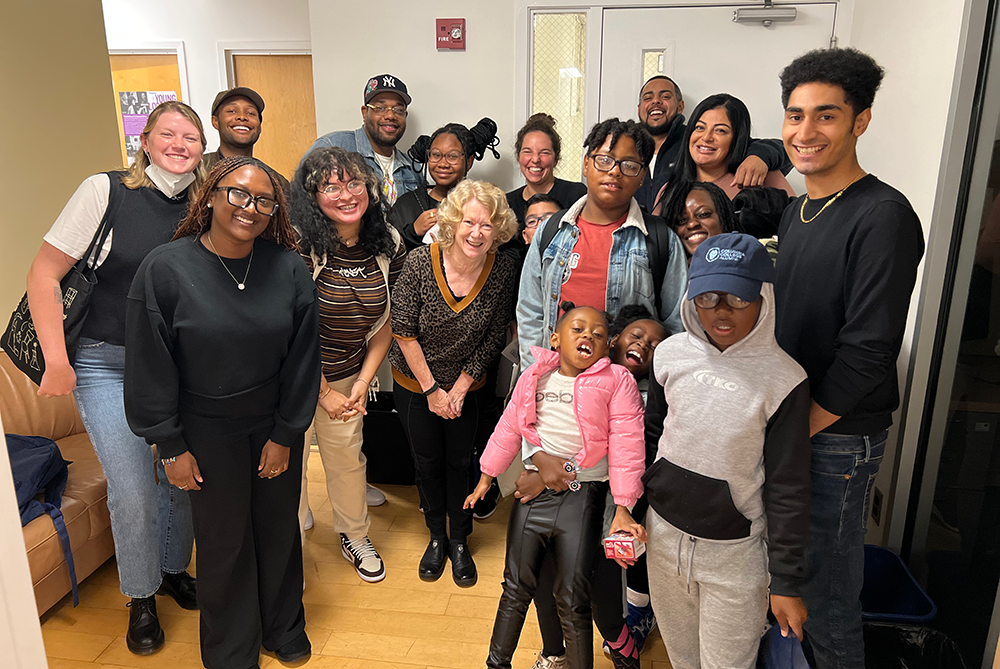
578	419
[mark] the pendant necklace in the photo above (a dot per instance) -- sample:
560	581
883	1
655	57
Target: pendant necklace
802	210
239	284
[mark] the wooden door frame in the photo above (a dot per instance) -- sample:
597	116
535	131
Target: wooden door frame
161	48
226	51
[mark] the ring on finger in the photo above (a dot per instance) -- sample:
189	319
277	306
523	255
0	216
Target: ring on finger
183	487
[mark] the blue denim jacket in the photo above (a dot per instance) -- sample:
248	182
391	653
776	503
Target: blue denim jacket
629	278
403	174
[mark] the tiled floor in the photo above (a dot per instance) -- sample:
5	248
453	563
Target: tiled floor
399	622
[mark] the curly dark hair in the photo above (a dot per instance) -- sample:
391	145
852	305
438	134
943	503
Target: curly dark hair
540	122
675	204
475	142
854	71
626	316
199	215
615	128
739	120
316	231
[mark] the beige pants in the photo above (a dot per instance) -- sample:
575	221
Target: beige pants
345	466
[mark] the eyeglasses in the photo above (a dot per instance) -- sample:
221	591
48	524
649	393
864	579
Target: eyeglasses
399	110
534	221
710	300
453	157
334	192
604	163
242	199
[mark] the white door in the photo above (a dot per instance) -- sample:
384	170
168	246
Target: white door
707	53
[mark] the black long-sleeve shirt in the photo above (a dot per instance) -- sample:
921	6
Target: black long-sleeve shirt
843	289
192	332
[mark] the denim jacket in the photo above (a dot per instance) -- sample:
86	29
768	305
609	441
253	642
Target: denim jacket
403	174
629	278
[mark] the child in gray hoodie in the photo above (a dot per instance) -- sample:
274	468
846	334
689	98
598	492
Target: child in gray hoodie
729	490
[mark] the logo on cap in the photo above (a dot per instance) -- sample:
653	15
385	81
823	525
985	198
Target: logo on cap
731	255
372	85
388	82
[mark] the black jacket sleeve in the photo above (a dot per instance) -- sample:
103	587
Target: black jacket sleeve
787	491
656	413
298	378
772	152
403	215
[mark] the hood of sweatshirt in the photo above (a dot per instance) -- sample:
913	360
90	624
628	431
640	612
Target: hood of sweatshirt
760	339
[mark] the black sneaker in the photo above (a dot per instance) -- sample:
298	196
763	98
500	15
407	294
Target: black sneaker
144	633
487	506
296	649
182	587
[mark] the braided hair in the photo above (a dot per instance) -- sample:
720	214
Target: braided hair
475	142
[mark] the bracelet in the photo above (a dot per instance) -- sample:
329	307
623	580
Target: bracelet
362	381
328	389
430	391
168	461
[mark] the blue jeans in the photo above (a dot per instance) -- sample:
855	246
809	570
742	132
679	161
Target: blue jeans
150	521
843	471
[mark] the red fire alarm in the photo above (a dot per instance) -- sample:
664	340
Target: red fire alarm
450	34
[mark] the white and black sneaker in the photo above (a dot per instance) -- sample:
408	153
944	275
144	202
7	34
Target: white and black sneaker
365	558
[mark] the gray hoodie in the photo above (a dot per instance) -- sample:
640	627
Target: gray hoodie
733	451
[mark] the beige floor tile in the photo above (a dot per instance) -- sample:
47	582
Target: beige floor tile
75	645
368	646
173	655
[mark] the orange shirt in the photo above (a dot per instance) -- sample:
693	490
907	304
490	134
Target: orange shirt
585	281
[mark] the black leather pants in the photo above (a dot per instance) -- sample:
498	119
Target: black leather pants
567	524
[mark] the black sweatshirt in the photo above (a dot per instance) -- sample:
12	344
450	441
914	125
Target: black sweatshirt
193	336
843	288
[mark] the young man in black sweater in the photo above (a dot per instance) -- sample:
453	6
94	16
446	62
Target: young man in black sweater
849	251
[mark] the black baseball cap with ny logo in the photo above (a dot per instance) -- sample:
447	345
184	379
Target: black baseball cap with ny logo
386	83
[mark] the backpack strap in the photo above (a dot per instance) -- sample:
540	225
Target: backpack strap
658	252
549	231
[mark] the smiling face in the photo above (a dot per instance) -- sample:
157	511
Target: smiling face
699	221
388	128
238	122
658	105
347	210
444	172
535	217
581	339
633	348
474	233
537	158
612	191
234	225
173	144
724	325
711	138
820	131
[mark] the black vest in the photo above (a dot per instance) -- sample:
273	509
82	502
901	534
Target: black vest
142	219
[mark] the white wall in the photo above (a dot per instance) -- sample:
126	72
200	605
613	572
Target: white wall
202	25
352	42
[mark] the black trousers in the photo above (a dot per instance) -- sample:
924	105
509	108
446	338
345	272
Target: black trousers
249	554
442	453
567	526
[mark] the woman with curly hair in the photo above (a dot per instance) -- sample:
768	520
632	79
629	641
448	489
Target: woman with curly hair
231	288
354	257
451	310
696	210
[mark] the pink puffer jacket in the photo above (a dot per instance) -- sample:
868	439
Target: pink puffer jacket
608	410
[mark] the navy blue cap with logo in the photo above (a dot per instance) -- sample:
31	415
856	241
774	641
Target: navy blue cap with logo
730	263
386	83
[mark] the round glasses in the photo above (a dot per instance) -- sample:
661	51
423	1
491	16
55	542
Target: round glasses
453	157
335	192
605	163
710	300
381	110
242	199
534	221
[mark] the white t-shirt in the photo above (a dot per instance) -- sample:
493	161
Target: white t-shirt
557	426
77	224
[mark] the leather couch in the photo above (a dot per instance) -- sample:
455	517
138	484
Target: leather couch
85	502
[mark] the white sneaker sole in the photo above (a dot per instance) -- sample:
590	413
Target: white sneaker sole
367	579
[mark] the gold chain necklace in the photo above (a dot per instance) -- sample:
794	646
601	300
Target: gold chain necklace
239	284
802	210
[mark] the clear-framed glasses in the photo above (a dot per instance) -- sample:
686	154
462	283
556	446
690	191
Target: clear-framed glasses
242	199
606	163
380	109
335	192
710	300
532	222
453	157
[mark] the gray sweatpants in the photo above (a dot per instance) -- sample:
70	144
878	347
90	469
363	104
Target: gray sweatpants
709	597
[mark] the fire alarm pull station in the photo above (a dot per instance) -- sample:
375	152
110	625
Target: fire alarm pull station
450	34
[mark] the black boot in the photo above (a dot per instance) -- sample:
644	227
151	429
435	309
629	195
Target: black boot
296	649
463	569
182	588
144	634
432	563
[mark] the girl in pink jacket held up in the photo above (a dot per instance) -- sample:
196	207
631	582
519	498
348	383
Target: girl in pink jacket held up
578	419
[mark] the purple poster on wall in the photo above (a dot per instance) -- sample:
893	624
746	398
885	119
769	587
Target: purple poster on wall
136	106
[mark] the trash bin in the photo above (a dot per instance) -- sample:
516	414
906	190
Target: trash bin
900	646
890	593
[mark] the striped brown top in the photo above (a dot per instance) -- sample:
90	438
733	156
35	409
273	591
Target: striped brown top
352	297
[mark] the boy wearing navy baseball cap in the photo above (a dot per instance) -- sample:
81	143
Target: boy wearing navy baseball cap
729	490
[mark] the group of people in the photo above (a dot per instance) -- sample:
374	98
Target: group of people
702	368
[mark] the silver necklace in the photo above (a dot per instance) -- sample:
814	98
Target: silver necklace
239	284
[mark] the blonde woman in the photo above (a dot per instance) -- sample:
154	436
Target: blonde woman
150	520
451	308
